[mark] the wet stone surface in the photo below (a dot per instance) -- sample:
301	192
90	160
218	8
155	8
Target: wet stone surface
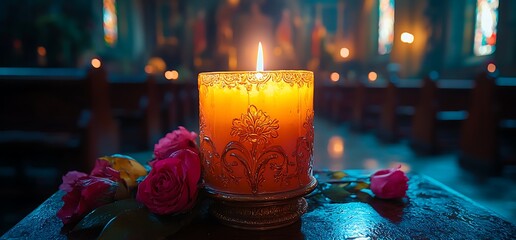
430	211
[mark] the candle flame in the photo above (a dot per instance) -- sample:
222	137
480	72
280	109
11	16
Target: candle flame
259	58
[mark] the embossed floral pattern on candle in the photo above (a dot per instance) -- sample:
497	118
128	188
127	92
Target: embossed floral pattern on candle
255	126
256	131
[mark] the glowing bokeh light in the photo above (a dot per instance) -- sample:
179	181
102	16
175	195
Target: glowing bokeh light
371	163
334	76
149	69
233	2
336	147
407	37
491	67
42	51
95	62
372	76
172	75
344	52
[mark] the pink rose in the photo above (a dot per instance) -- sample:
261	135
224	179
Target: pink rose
171	186
85	193
70	179
178	139
389	183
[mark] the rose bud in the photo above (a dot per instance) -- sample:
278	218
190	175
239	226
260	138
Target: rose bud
389	183
85	193
176	140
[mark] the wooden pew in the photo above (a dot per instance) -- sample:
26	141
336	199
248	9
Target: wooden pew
103	131
168	106
488	135
46	111
323	99
367	98
53	120
136	106
179	104
441	108
190	101
398	108
58	102
342	103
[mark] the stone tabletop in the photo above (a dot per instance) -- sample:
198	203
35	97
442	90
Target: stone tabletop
430	211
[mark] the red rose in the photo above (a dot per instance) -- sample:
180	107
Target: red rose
171	186
178	139
389	183
85	193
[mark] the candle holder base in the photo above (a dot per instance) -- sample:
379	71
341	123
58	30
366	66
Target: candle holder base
259	215
262	212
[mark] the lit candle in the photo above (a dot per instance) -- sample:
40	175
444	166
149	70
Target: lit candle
256	131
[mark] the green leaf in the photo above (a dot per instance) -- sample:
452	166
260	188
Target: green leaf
99	217
142	224
336	193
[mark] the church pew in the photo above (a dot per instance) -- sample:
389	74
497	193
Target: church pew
53	120
42	110
168	106
488	135
343	104
190	101
103	130
180	104
398	108
56	102
366	105
323	95
441	108
136	106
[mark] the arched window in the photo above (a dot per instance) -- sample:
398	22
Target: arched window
484	42
110	22
385	26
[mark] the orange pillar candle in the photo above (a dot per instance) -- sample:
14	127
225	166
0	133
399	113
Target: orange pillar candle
256	131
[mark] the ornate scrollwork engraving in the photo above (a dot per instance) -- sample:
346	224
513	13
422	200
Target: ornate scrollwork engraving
304	148
254	152
255	79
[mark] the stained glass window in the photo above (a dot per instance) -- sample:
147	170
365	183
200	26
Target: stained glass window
485	27
385	26
110	22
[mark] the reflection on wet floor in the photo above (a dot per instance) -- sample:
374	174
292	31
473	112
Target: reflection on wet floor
336	148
